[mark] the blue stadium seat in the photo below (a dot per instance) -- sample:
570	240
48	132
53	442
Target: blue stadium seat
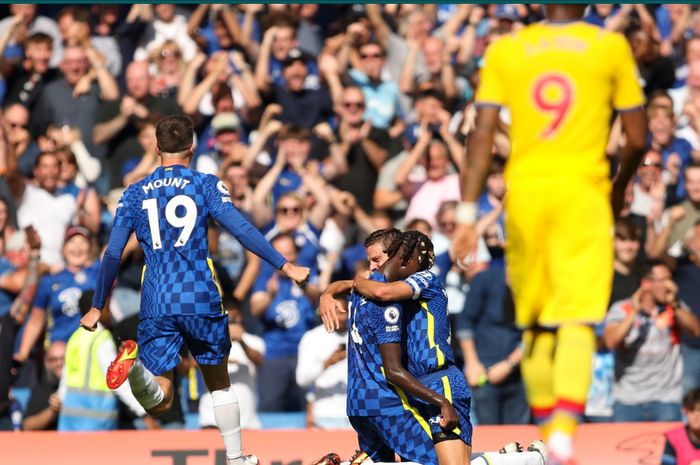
282	420
22	395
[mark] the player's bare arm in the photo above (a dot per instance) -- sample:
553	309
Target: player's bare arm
383	292
298	274
634	126
329	306
473	177
397	375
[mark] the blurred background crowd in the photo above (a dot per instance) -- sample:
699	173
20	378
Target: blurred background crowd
326	122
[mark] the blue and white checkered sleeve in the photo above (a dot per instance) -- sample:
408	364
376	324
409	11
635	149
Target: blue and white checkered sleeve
220	207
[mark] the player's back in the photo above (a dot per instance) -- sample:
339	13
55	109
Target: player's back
428	333
560	82
168	211
369	325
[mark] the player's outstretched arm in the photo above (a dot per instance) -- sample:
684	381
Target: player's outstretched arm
634	126
329	307
383	292
298	274
473	176
226	214
106	274
397	375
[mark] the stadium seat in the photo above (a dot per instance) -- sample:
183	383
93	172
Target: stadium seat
282	420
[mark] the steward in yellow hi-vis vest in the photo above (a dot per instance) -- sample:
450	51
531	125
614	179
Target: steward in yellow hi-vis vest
88	405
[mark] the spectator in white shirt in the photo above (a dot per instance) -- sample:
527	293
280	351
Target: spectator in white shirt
322	368
246	356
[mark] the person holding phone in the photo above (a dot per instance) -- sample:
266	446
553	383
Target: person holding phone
644	332
322	369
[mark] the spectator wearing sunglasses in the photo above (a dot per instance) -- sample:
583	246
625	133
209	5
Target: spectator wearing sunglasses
22	150
360	150
381	96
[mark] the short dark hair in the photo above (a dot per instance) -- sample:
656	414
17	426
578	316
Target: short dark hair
414	244
431	93
625	228
42	155
294	131
413	224
652	263
376	43
174	134
39	38
384	236
691	398
285	235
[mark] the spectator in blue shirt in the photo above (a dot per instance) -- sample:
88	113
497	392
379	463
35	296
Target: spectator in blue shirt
491	345
59	293
287	312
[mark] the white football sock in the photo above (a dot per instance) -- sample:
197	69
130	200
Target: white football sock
561	445
144	386
228	419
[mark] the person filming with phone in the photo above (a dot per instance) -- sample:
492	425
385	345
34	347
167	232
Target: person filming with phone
644	331
322	369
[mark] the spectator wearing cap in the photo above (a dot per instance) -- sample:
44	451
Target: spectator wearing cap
59	293
278	42
507	16
300	105
118	121
227	143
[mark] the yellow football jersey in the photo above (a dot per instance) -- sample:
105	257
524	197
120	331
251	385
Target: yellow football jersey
560	82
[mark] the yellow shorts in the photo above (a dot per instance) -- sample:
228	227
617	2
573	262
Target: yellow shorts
559	250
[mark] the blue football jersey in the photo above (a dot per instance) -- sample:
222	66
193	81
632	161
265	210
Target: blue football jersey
428	335
59	295
369	325
168	210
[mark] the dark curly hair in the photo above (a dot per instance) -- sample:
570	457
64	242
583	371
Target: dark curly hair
413	243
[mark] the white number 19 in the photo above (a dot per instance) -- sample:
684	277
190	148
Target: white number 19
186	222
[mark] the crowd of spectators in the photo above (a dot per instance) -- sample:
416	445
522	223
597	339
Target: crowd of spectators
326	123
